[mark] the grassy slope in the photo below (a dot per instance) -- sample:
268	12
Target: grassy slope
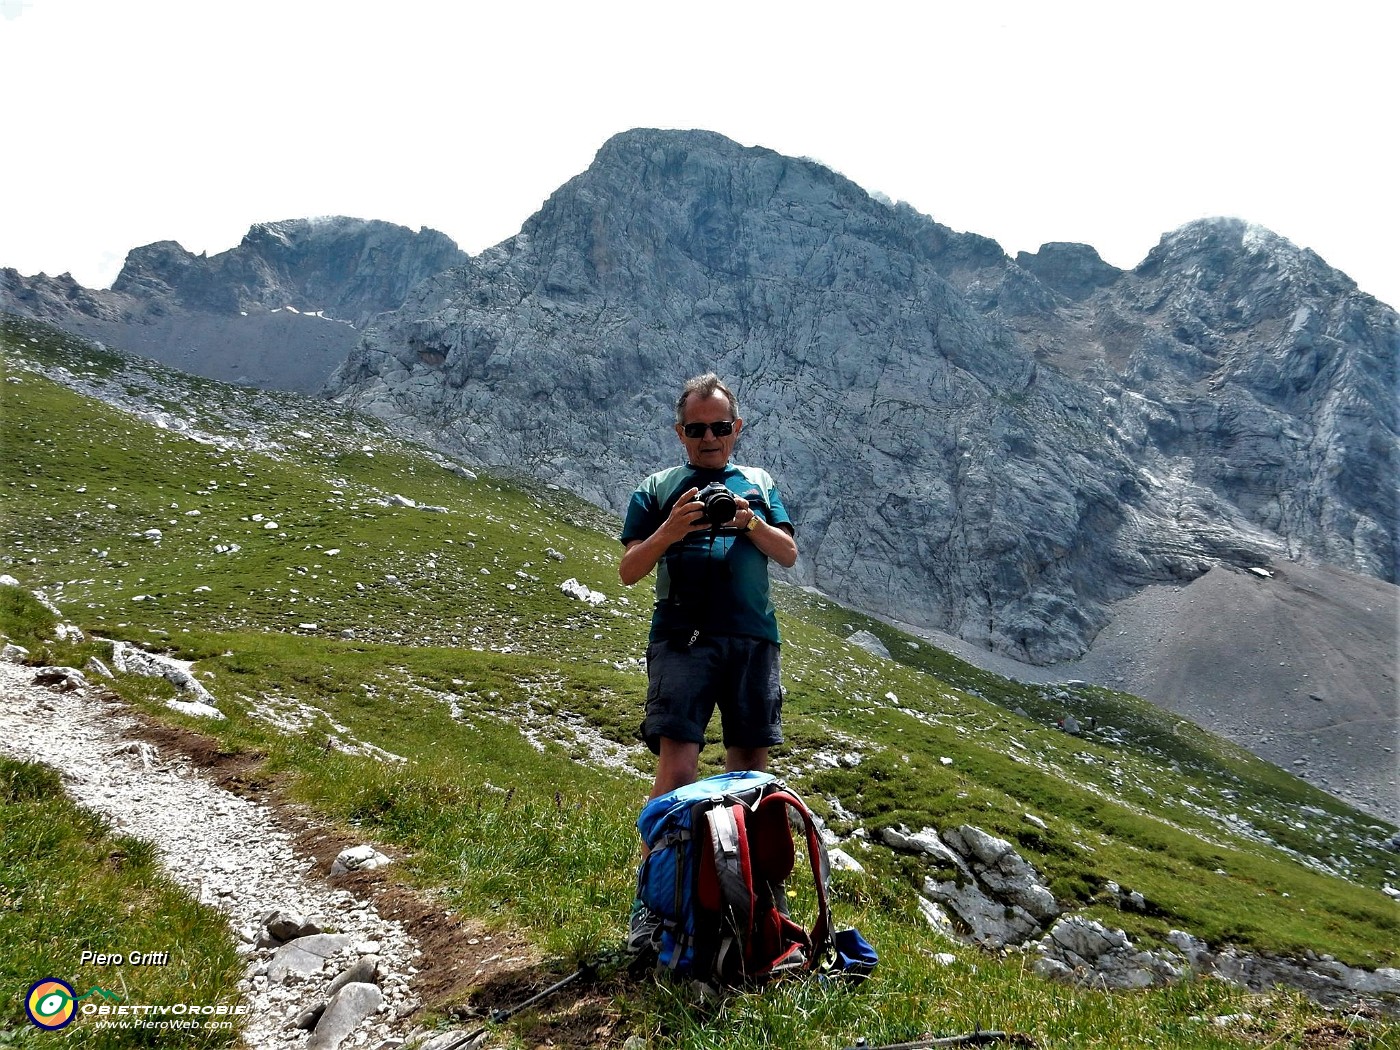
459	632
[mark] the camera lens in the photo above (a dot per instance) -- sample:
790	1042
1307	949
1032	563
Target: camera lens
719	504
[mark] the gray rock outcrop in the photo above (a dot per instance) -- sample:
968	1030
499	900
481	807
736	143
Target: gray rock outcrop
1085	952
995	449
129	659
996	897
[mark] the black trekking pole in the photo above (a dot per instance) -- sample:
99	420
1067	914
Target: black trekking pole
585	971
466	1041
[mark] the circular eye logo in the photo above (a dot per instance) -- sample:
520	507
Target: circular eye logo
50	1003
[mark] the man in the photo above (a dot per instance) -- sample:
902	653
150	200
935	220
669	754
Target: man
714	636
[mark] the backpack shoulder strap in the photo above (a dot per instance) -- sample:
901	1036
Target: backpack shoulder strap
781	801
725	890
728	842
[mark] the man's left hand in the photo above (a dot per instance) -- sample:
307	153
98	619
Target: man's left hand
774	541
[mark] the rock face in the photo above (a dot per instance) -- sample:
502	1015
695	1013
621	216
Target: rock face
280	311
995	449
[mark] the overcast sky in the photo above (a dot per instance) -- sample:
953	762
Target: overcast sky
131	121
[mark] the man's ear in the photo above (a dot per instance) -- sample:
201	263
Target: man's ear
738	426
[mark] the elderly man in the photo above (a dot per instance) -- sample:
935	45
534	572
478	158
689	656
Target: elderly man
714	636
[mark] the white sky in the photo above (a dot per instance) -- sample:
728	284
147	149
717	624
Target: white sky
131	121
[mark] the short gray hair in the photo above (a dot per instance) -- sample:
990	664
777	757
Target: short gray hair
705	386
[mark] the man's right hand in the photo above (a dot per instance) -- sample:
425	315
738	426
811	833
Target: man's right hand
686	516
642	555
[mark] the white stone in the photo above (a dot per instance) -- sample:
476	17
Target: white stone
582	592
13	654
195	708
843	861
358	858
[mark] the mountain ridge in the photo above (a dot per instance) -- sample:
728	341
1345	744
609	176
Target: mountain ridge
1156	438
278	310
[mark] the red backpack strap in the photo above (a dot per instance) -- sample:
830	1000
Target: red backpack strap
775	859
770	843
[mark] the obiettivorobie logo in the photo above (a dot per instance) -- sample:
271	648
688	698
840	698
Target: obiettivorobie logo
51	1004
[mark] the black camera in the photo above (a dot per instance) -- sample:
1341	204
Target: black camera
719	504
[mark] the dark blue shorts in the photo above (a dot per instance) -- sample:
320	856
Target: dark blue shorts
687	681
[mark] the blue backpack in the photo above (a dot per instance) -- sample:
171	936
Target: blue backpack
721	852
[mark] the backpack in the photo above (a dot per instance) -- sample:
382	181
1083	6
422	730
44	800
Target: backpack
721	852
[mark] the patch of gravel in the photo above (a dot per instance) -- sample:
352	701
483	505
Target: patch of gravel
229	852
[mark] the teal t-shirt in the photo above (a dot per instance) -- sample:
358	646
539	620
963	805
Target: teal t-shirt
714	581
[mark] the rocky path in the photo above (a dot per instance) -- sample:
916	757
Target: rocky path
235	855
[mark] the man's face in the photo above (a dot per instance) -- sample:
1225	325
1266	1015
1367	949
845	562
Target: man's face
707	450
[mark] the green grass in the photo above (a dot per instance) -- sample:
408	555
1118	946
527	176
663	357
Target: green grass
443	637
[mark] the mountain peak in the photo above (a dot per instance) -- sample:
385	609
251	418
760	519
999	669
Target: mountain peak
1213	247
347	267
226	316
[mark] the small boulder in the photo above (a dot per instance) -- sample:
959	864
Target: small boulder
582	592
60	679
869	643
347	1008
364	970
926	842
358	858
280	926
304	956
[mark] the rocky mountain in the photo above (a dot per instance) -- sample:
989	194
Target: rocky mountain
281	310
1000	449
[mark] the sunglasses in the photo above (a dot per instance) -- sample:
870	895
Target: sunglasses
723	428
